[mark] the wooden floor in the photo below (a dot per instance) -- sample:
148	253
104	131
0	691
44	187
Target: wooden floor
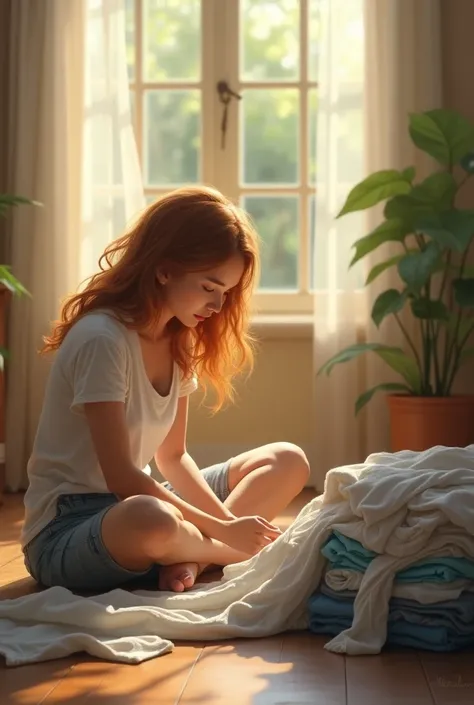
289	669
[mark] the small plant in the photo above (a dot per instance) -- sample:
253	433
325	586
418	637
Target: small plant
435	236
7	278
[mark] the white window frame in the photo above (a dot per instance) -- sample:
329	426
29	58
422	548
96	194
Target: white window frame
220	43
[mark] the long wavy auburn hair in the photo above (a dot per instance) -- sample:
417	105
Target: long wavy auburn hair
189	229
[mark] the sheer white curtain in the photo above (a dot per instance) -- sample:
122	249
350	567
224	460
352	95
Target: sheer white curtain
380	60
339	309
72	149
112	184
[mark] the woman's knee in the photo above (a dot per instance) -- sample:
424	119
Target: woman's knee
287	460
292	462
149	516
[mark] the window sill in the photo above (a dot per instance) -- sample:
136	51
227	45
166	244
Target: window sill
283	326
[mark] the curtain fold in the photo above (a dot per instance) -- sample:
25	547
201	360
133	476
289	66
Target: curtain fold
71	148
338	305
380	60
112	184
45	127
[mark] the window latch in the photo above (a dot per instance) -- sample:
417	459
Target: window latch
225	94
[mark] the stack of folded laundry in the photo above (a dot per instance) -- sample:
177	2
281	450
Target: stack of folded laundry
431	605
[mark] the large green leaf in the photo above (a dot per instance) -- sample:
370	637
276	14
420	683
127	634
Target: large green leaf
403	364
375	188
452	229
11	282
388	231
437	190
348	354
429	309
433	195
407	210
379	268
387	387
396	358
416	268
390	301
461	224
409	173
7	201
464	292
443	134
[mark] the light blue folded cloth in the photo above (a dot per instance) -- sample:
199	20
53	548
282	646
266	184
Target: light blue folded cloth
443	626
348	554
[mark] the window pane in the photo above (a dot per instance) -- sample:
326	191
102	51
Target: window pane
172	40
172	136
269	40
276	219
313	38
130	37
312	124
270	136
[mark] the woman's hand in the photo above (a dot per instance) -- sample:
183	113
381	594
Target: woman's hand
248	534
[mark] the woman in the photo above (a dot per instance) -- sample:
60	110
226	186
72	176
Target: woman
169	305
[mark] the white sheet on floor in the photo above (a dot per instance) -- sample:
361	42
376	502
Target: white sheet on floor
404	506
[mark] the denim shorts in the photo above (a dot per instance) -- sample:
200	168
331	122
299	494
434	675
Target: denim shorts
69	551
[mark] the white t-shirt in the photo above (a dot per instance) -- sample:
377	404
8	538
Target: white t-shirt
99	360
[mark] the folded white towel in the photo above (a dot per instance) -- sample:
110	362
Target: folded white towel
340	579
404	506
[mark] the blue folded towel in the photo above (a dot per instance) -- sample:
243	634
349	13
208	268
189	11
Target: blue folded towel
443	626
346	553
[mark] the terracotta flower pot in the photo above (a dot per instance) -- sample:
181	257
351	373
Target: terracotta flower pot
419	423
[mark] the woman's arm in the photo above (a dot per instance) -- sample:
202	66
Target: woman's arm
111	441
177	466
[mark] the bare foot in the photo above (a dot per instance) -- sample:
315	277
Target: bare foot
178	577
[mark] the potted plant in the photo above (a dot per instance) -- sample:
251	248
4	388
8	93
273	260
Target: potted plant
435	235
9	284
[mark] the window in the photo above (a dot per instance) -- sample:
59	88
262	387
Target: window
178	51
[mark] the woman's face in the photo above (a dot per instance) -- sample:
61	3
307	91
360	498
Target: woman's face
193	297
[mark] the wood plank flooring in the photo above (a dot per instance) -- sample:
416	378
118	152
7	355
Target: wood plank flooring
287	669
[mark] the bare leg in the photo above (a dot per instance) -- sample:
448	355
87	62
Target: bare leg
142	530
265	480
262	482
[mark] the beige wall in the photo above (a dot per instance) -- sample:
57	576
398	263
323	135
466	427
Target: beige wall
276	402
458	54
273	404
